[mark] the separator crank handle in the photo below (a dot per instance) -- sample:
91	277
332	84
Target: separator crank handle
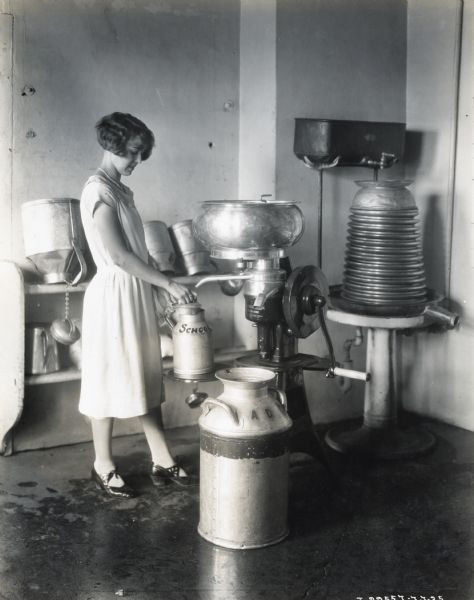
350	374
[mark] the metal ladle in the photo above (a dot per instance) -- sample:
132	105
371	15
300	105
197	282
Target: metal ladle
65	330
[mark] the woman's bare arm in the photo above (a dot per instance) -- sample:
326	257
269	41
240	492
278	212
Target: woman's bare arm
105	219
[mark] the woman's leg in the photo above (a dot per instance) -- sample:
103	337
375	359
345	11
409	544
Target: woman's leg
102	437
104	473
152	424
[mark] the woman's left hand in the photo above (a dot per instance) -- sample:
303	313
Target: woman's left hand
180	293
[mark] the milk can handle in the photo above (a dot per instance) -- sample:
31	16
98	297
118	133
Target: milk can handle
167	316
44	340
232	412
281	397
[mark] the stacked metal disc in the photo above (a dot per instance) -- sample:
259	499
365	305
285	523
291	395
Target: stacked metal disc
384	268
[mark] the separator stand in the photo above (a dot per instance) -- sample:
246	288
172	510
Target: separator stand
379	436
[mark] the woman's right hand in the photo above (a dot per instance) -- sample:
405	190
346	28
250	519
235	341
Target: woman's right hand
180	293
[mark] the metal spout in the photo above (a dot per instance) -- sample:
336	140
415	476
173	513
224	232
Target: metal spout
386	160
230	277
195	398
442	316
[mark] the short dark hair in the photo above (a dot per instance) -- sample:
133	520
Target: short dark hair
115	130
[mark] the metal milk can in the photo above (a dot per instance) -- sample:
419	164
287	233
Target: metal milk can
160	246
193	355
192	255
41	350
244	461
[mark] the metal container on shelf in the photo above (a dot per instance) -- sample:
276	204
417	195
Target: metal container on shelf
191	253
193	355
244	461
54	239
41	350
160	246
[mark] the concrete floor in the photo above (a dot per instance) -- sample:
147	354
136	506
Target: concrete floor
396	530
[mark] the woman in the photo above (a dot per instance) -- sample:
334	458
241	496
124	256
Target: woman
122	369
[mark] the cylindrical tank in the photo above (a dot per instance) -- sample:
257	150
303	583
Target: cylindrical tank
244	461
191	253
54	239
384	269
160	246
193	355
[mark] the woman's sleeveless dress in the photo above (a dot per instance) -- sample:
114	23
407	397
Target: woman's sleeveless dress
121	356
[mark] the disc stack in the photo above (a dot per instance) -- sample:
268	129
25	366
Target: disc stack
384	269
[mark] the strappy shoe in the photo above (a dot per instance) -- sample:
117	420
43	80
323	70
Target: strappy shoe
102	482
162	476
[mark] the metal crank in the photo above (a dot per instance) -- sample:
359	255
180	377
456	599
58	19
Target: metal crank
304	309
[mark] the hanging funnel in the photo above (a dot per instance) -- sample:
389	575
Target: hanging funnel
54	239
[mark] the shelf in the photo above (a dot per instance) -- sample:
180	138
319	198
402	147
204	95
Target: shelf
54	288
220	356
73	374
61	288
223	356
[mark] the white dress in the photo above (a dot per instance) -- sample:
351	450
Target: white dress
121	356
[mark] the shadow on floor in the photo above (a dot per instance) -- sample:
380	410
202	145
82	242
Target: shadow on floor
399	529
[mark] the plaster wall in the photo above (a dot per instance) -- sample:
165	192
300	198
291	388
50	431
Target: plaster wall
257	120
173	64
257	140
437	367
6	130
336	59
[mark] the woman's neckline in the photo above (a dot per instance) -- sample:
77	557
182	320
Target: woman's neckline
118	183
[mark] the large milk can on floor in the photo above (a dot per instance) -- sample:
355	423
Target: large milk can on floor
244	461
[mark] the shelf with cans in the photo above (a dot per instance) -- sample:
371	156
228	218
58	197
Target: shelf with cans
222	357
48	287
29	304
61	362
59	263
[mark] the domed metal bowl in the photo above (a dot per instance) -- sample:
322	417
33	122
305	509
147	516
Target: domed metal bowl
248	228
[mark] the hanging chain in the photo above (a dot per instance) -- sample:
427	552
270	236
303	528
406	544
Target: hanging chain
66	306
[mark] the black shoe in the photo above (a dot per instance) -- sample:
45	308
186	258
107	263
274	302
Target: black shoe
161	476
102	483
